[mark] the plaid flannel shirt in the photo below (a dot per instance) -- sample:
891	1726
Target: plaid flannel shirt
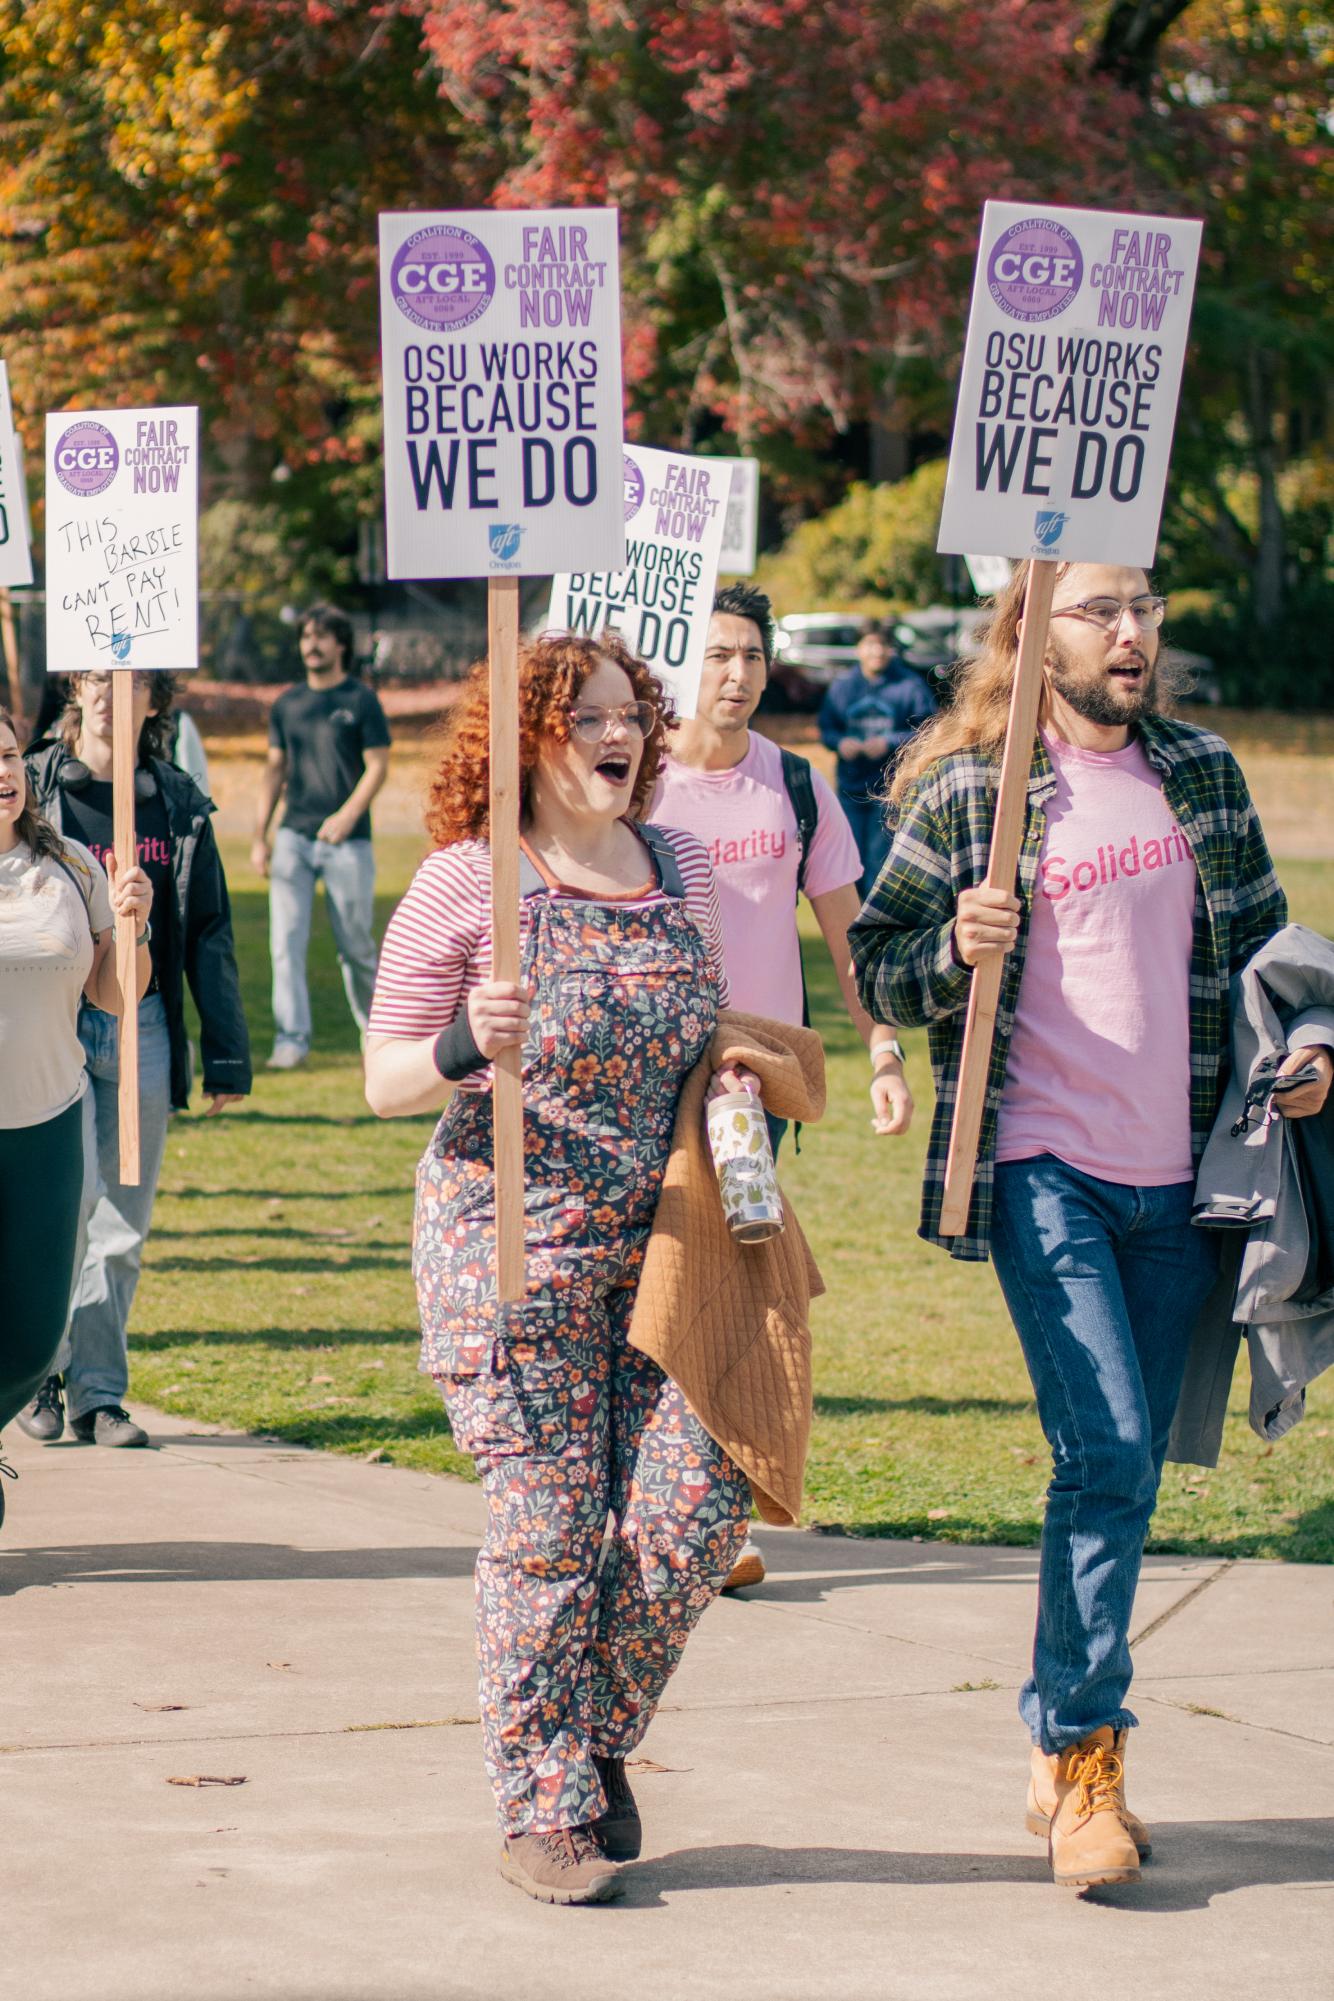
902	941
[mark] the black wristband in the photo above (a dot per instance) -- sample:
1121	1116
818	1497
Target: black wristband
456	1053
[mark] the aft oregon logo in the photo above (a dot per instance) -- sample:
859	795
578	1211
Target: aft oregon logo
1048	527
505	537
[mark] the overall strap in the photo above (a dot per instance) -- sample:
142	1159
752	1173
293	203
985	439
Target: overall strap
670	879
530	881
77	871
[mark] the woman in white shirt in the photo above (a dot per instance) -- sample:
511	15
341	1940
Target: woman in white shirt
57	913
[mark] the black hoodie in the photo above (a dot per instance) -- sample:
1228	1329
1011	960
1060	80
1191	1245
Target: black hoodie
199	946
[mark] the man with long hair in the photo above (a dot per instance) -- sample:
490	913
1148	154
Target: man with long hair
1144	884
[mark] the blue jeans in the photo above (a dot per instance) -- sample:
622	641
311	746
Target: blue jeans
347	870
1103	1283
866	817
114	1219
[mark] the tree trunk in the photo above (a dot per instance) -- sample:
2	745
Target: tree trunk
1267	577
1130	37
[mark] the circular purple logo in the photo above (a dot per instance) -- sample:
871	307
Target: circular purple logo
87	458
634	488
443	278
1035	269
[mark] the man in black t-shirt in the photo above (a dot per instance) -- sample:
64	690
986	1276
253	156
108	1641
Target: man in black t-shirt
329	753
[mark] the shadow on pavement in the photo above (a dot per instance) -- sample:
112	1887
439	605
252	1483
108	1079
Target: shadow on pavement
221	1563
1194	1862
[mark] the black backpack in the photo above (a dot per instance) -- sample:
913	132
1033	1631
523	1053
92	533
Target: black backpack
801	791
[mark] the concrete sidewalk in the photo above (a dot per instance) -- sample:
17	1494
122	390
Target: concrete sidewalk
833	1802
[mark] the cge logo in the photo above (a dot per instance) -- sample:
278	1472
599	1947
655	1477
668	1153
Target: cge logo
1035	269
442	278
87	458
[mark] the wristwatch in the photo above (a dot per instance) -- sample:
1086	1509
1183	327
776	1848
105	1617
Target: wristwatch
891	1048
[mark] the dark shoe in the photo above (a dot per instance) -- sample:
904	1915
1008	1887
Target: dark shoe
108	1426
565	1866
619	1833
10	1473
44	1417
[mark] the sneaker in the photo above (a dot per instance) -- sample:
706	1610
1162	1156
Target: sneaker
108	1426
44	1417
618	1832
748	1568
1089	1843
564	1866
286	1057
10	1473
1042	1797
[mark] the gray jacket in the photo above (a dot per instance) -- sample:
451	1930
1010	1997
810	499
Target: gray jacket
1268	1182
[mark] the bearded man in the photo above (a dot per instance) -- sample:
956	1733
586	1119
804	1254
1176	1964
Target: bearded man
1144	884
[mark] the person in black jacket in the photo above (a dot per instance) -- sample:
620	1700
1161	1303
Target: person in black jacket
191	940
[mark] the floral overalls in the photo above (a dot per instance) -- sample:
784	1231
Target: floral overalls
570	1426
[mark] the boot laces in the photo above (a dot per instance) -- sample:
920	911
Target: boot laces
48	1396
1098	1774
570	1845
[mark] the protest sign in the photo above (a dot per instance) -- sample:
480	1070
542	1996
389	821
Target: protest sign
1062	437
989	573
501	348
1071	371
661	601
741	530
122	573
122	594
15	550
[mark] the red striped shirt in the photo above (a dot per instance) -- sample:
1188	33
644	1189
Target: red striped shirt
438	944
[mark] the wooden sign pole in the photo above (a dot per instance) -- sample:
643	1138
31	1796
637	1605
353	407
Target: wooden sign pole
13	694
124	760
507	1090
1002	867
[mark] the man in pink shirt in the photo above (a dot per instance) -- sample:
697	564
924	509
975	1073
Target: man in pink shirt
724	783
1144	886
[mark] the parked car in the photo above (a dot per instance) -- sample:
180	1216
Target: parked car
811	649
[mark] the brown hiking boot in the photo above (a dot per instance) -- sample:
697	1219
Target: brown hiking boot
618	1832
1042	1797
1088	1842
563	1866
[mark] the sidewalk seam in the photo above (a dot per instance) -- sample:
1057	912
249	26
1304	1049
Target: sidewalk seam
1156	1625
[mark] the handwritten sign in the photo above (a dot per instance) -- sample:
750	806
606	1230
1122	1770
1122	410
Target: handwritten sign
662	600
741	528
1071	372
122	570
501	347
15	549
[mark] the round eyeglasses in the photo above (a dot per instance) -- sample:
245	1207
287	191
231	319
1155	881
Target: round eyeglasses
1107	612
594	725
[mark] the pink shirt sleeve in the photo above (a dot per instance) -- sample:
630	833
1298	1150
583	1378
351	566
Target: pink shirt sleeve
833	860
701	889
434	945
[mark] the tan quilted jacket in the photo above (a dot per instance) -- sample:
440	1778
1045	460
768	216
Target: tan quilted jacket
728	1321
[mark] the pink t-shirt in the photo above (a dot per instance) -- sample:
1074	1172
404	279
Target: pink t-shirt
746	822
1099	1065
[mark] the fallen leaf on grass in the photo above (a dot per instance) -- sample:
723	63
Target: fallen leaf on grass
375	1458
207	1779
332	1232
321	1379
937	1514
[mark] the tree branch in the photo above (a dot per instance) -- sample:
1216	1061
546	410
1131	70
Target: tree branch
1131	33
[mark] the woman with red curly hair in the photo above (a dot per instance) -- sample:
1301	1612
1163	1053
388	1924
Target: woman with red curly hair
571	1428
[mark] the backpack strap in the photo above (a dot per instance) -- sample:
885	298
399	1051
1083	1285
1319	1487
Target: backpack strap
659	845
81	876
800	786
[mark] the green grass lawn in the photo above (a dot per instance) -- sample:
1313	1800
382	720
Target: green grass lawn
276	1296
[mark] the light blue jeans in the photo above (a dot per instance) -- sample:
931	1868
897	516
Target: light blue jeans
1103	1283
347	870
114	1219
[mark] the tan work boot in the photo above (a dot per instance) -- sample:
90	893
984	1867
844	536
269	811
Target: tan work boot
562	1866
1042	1797
1089	1842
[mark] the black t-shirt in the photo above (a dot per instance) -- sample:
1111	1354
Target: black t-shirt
86	813
323	732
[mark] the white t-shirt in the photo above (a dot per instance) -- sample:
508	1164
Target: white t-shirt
46	954
746	822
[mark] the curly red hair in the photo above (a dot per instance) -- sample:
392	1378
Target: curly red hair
552	670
